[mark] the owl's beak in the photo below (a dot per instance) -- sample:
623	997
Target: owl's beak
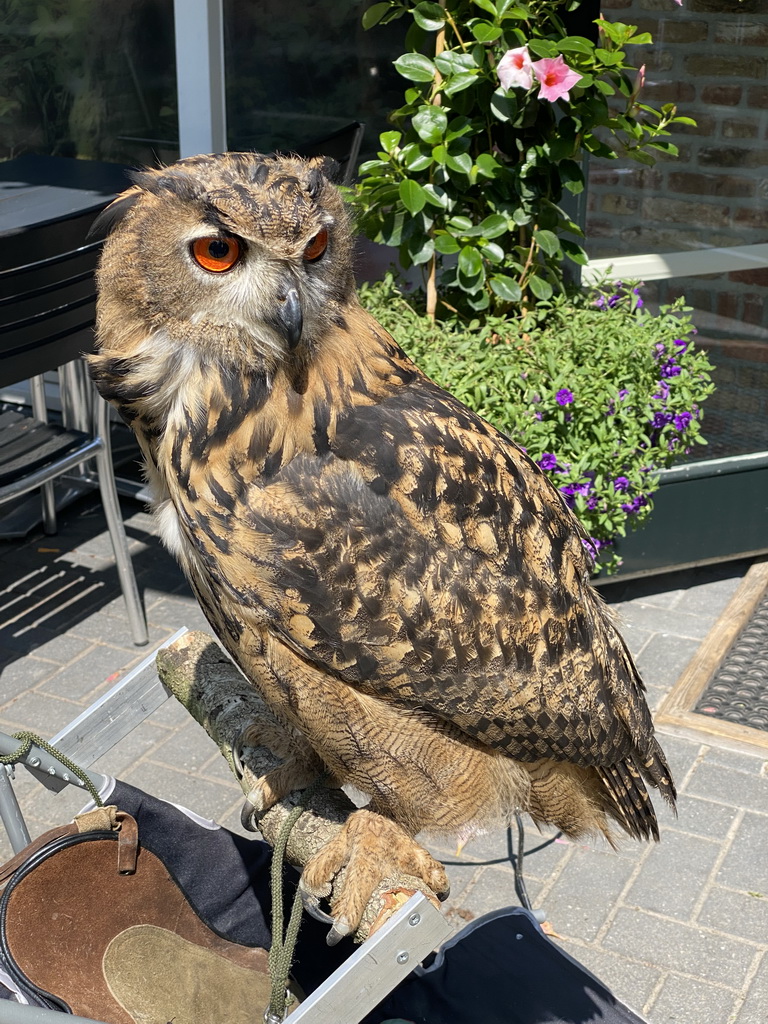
290	320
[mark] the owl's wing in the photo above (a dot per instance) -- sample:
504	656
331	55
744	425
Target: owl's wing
426	560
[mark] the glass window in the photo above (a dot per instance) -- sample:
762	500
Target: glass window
94	79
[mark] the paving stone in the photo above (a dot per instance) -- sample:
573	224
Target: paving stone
664	657
61	648
729	786
189	748
488	889
198	794
19	675
746	865
679	947
631	981
698	816
116	631
98	669
136	745
659	620
737	913
584	894
681	754
691	1001
756	764
635	636
672	875
40	713
711	597
173	613
755	1007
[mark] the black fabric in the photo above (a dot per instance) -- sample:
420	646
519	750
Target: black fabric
502	969
226	879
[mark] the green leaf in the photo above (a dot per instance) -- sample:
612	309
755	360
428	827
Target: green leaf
548	241
450	62
414	158
574	252
457	128
460	224
641	39
374	14
412	195
457	83
485	5
416	67
429	16
389	140
430	123
541	289
488	165
605	87
440	154
461	162
470	262
420	249
493	226
503	106
576	44
543	47
505	287
492	252
484	32
446	244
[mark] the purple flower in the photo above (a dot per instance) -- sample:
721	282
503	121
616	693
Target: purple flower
661	419
564	396
660	349
682	419
547	461
663	392
621	484
638	502
538	416
639	303
682	345
670	369
623	394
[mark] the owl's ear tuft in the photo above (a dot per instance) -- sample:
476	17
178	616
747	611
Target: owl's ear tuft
322	168
177	182
114	214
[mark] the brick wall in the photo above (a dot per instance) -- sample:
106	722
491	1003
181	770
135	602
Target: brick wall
710	57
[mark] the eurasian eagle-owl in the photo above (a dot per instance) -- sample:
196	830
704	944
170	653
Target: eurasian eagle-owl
396	577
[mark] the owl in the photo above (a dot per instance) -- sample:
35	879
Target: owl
396	577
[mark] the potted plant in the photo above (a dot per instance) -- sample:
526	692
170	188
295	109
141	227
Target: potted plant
501	106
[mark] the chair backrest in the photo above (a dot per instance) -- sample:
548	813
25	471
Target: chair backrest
47	306
343	146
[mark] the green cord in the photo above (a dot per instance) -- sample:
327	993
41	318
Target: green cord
282	948
28	738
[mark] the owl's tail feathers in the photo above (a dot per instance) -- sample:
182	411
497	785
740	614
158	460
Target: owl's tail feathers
627	800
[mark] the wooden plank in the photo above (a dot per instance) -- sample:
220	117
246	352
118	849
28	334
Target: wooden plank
676	708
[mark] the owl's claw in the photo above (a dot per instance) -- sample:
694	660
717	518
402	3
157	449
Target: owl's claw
311	904
370	848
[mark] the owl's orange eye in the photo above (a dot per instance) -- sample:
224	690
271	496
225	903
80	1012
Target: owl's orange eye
216	254
316	246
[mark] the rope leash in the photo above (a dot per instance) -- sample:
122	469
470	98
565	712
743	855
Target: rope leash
28	738
283	946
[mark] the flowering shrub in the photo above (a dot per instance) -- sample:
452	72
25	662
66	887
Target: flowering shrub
600	392
501	107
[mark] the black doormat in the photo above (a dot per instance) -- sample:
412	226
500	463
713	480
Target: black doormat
738	690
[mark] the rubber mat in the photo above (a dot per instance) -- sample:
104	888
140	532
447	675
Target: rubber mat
738	690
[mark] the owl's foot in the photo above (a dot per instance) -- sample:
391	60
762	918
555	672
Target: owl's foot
370	848
300	768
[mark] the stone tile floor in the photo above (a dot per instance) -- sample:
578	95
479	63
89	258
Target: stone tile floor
678	930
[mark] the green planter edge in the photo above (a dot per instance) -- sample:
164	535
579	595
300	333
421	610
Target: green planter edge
704	512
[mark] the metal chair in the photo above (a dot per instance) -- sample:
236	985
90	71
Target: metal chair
47	308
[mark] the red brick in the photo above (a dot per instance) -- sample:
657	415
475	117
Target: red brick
675	30
742	33
758	276
732	156
725	65
754	309
727	305
617	204
705	125
684	211
740	128
669	92
597	228
722	95
757	96
710	184
751	217
601	176
615	5
644	177
721	6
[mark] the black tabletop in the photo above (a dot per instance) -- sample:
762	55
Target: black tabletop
38	190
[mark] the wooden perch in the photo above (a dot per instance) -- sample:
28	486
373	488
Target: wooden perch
217	695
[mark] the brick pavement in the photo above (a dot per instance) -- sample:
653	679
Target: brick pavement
678	930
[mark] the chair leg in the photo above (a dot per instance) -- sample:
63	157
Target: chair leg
136	618
40	412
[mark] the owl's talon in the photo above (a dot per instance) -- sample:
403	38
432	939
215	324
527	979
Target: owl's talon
311	904
248	815
341	929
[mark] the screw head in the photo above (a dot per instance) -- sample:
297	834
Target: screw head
402	958
414	919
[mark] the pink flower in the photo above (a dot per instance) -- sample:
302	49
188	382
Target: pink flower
515	69
556	78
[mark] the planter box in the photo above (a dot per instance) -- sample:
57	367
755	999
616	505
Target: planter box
709	511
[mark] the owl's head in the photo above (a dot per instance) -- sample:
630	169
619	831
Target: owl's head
228	246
